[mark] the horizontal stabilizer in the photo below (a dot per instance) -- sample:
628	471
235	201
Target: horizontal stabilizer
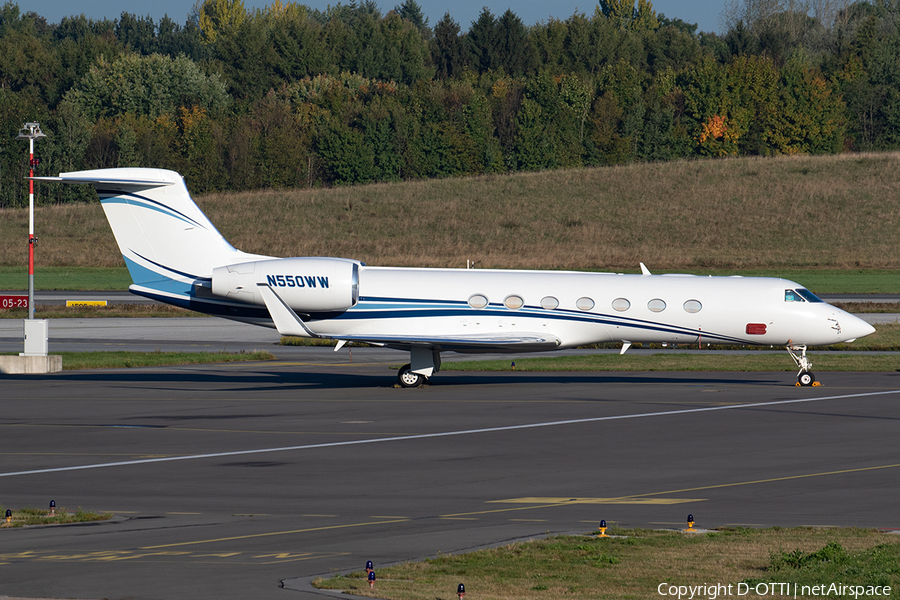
117	183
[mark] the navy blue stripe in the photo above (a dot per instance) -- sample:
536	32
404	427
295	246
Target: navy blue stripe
210	308
362	313
120	194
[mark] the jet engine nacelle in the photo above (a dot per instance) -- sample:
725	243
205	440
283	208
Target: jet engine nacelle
306	284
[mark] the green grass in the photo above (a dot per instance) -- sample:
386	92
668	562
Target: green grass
825	281
65	278
878	566
35	516
633	566
76	361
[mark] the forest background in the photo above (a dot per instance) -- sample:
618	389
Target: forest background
288	96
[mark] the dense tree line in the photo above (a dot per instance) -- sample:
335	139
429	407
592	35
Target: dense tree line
290	96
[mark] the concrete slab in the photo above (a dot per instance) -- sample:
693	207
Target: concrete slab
19	365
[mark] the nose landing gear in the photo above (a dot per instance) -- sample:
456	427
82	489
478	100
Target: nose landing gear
804	376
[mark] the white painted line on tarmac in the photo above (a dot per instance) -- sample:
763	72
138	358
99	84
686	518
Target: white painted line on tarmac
422	436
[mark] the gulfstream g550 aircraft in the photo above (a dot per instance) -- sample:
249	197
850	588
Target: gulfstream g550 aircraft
176	255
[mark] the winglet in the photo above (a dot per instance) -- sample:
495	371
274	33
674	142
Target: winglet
645	270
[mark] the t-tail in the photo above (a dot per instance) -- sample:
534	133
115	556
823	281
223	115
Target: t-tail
170	247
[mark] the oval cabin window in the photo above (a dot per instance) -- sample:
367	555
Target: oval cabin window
584	303
656	305
692	306
549	302
478	301
621	304
514	302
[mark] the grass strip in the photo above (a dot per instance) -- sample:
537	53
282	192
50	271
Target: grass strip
77	361
66	278
634	566
35	516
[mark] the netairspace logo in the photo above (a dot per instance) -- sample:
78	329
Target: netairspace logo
772	590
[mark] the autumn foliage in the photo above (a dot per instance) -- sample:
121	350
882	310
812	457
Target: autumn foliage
292	97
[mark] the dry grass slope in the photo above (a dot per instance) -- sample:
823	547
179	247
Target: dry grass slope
832	211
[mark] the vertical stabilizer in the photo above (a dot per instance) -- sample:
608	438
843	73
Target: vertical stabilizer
167	242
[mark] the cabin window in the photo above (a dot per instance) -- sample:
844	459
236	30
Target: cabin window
621	304
792	296
514	302
478	301
584	303
656	305
692	306
549	302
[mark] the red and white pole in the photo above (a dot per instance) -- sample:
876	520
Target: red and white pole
31	132
31	228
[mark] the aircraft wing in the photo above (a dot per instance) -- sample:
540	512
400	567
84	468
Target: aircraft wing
522	342
288	323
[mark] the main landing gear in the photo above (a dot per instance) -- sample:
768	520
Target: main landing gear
407	378
804	376
424	362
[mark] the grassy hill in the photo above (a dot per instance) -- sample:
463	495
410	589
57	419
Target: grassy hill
767	213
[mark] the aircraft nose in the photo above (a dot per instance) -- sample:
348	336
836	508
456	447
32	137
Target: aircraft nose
852	327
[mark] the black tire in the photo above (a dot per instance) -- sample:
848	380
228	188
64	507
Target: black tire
408	379
806	378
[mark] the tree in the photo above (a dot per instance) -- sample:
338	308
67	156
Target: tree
146	85
299	46
624	15
619	12
644	17
348	157
412	12
514	52
137	33
249	59
549	42
220	18
405	53
449	53
172	39
482	40
29	65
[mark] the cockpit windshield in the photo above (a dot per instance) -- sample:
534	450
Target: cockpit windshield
808	295
800	295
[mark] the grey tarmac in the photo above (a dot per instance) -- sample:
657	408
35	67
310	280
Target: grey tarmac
245	480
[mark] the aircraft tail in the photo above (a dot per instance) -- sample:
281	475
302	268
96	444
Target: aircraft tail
170	247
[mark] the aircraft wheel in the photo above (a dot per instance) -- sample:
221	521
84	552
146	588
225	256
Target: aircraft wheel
408	379
806	378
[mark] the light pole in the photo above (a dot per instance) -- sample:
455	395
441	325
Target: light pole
31	132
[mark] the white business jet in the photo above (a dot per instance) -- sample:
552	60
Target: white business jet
175	255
